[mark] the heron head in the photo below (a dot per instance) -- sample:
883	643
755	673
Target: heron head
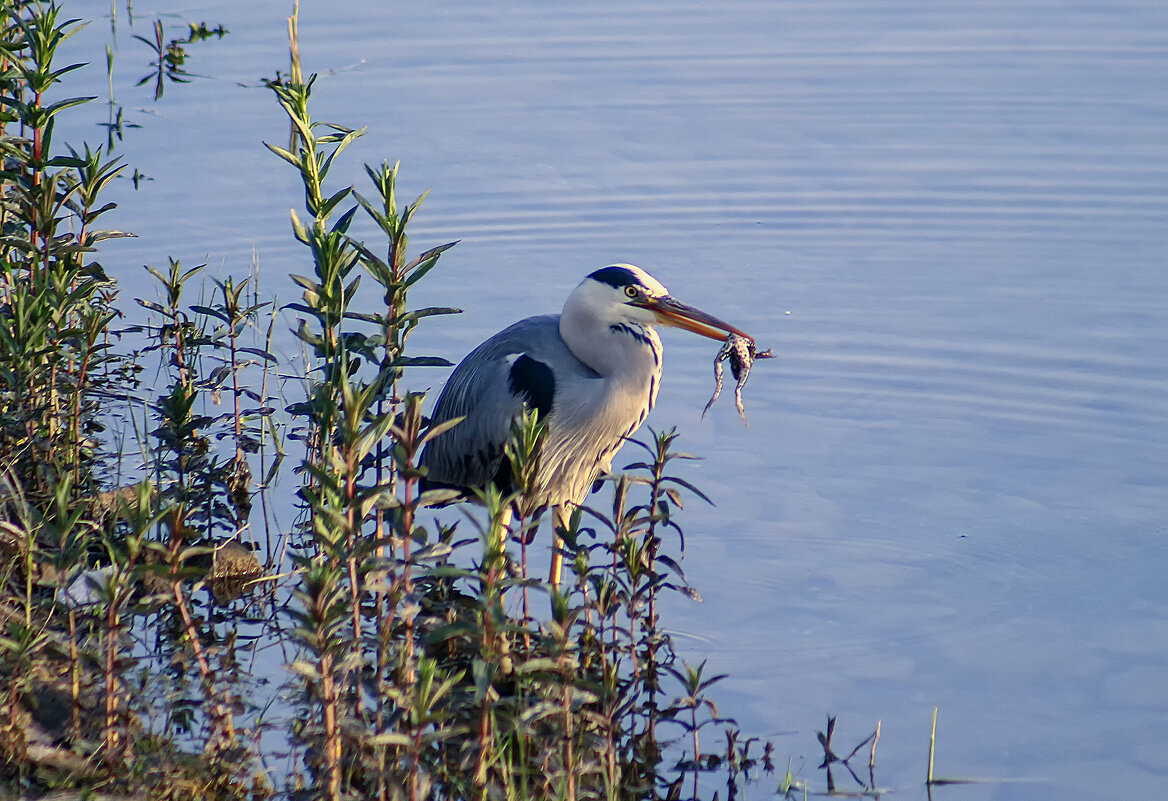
641	298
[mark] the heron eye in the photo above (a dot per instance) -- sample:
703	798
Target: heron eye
631	291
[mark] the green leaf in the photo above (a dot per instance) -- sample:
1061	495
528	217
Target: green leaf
327	206
298	229
304	668
101	236
390	738
61	105
421	361
418	268
450	631
65	161
438	497
682	482
342	223
529	666
263	354
428	312
210	312
284	154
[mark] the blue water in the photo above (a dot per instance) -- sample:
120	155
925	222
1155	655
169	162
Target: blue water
951	222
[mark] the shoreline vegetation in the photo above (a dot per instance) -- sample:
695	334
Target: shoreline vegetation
142	589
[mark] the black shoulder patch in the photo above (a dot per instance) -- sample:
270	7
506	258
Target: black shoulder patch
615	277
535	382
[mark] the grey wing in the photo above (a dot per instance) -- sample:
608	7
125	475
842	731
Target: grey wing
489	388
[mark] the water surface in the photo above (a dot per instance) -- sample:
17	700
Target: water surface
949	219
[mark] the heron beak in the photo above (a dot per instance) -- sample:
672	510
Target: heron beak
676	314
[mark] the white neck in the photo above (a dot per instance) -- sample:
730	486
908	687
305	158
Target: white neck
616	348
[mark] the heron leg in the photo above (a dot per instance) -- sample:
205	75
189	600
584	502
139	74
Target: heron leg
560	519
505	522
504	532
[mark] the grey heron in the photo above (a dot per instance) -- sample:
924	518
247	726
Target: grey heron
591	372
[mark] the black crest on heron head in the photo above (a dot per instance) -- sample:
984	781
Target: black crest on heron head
616	276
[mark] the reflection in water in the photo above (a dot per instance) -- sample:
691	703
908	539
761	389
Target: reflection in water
171	56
